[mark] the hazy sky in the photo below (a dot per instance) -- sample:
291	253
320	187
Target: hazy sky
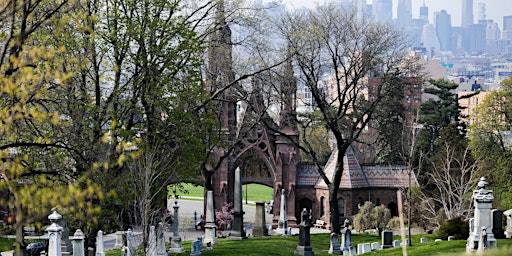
495	9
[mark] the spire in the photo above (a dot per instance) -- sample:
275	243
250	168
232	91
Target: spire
288	114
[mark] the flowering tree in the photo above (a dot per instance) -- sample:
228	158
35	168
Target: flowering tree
224	216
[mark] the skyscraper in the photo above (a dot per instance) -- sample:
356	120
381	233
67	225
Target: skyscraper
424	12
383	10
404	13
467	13
507	28
443	22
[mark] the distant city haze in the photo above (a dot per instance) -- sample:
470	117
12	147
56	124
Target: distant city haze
495	9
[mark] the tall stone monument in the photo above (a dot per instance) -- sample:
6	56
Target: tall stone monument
304	246
480	234
54	235
282	224
260	227
209	227
176	246
238	231
78	243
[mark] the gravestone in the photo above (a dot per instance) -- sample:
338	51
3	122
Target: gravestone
67	247
260	228
364	248
334	247
346	237
209	227
304	246
451	238
438	240
423	240
196	248
238	231
483	199
78	243
351	251
508	230
375	246
99	244
396	243
54	235
176	246
130	243
282	224
160	240
387	239
497	223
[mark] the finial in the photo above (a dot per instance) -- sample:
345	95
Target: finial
482	183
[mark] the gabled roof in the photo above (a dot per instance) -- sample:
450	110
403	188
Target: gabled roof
356	176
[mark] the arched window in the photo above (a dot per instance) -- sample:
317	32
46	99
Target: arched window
322	206
341	207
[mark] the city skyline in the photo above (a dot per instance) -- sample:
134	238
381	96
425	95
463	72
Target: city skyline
495	9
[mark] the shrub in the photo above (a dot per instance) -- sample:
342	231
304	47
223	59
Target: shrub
371	216
224	216
456	227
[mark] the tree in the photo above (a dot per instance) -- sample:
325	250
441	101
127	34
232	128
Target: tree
488	138
348	48
371	216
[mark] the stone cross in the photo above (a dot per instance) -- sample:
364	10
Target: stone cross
78	243
304	246
99	244
209	227
54	235
282	224
238	231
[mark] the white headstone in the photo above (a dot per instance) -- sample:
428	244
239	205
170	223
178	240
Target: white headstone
78	243
396	243
99	244
54	235
375	246
423	240
508	230
151	250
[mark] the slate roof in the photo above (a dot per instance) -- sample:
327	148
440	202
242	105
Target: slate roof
354	175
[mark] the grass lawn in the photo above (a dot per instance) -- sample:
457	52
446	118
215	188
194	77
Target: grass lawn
255	192
6	244
320	243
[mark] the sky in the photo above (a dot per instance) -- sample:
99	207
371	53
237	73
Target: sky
495	9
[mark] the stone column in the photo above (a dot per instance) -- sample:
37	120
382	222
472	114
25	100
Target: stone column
78	243
54	235
482	220
176	246
304	246
238	220
99	244
282	224
209	227
260	227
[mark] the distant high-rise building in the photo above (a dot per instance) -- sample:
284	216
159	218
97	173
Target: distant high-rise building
429	37
383	10
404	13
492	36
481	12
467	13
443	22
424	12
507	28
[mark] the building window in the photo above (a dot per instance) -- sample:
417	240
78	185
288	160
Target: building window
322	206
408	98
416	99
469	101
341	207
476	100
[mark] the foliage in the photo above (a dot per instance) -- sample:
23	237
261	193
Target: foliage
454	227
371	216
224	216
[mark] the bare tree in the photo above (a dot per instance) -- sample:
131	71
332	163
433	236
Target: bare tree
334	52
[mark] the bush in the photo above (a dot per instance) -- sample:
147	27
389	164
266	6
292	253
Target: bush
456	227
371	217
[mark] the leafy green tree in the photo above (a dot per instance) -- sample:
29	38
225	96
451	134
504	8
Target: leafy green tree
488	134
372	217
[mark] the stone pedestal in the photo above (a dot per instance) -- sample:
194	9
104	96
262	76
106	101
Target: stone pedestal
260	227
482	223
209	227
282	224
304	246
54	235
78	243
176	246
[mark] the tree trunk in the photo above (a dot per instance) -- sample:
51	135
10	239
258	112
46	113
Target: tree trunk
20	244
333	209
